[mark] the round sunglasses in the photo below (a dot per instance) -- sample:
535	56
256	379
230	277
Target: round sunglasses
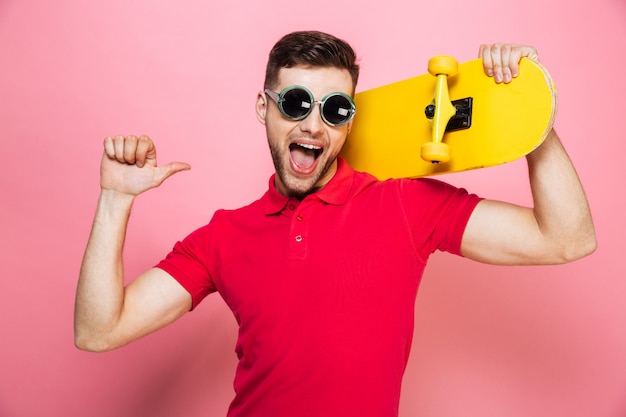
296	103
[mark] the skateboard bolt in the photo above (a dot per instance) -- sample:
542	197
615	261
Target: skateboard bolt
430	111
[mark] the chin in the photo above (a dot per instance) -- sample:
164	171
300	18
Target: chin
300	189
297	186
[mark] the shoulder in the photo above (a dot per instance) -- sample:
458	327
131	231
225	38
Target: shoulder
424	187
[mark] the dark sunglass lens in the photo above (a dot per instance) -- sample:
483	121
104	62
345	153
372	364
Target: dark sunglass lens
337	109
296	103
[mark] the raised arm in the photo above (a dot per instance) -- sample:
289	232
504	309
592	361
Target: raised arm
559	227
108	314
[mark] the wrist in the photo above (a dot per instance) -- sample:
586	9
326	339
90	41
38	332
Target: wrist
115	197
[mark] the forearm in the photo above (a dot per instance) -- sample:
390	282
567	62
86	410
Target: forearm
560	204
100	291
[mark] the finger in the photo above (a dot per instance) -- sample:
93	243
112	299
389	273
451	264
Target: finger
530	52
109	147
492	56
485	54
496	61
517	53
130	149
146	152
505	59
118	148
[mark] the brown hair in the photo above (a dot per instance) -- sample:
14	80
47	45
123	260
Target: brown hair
311	48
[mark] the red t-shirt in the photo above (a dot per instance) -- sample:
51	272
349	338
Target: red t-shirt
323	289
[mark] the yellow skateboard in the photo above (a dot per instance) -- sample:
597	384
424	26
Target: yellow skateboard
454	119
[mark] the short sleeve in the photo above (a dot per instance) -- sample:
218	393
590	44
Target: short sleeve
189	263
438	213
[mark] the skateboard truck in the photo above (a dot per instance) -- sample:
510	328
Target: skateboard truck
463	117
443	110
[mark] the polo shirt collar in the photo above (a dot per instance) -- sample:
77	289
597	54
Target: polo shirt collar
335	192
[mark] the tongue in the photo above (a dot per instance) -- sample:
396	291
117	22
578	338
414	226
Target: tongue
303	158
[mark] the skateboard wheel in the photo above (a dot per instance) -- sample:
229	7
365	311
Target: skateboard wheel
443	65
435	152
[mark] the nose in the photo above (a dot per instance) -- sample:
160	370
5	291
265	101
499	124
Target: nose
313	123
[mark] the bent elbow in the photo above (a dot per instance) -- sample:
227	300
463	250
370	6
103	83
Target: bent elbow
580	249
589	247
87	345
91	343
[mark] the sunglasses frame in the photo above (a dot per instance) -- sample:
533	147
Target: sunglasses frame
278	98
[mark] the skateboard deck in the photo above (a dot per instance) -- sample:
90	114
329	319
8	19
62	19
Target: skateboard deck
505	121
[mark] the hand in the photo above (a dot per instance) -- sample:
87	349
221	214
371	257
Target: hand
129	165
501	61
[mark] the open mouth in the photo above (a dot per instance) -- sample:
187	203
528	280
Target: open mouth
304	156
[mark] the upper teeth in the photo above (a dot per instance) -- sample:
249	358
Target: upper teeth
312	147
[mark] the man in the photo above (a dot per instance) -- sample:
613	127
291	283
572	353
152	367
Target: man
321	273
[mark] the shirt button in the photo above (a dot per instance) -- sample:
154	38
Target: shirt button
299	238
291	206
299	218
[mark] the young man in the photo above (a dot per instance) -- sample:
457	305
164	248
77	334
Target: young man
321	273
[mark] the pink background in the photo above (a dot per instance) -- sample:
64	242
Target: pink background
490	341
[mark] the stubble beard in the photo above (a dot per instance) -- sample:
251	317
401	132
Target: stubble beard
299	187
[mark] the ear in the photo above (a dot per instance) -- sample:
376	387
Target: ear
261	107
350	126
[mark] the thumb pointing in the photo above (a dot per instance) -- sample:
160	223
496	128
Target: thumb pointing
172	168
